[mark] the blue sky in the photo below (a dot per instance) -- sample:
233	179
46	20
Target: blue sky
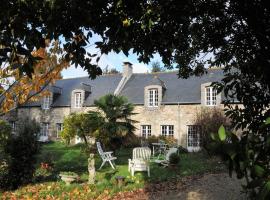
112	60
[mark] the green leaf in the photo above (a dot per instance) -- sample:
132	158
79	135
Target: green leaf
259	171
267	121
222	133
265	192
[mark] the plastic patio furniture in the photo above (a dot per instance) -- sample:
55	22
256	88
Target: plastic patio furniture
140	160
106	156
165	162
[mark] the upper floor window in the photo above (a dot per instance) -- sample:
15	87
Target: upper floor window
59	128
146	130
153	98
78	99
211	96
46	102
167	130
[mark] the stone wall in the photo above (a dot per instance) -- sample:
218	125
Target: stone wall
177	115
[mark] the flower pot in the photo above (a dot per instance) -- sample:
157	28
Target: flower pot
68	179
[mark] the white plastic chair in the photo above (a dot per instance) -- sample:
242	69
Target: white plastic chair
140	160
165	162
105	156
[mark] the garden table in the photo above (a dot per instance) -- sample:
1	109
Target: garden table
158	145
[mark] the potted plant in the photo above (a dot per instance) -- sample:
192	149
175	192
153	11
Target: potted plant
174	160
68	177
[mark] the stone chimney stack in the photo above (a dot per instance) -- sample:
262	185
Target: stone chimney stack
127	69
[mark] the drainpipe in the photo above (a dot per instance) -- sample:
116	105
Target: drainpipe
178	117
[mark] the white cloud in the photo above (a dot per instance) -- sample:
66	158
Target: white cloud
140	68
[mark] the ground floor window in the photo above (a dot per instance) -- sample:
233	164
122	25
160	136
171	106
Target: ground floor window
194	139
146	130
167	130
44	129
59	128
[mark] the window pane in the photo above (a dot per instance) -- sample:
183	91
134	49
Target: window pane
78	99
145	130
167	130
153	97
194	136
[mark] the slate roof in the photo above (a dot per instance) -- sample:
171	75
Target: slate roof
182	91
99	87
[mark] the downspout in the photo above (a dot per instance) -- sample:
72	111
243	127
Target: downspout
179	124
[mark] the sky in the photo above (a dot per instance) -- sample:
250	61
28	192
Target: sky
112	60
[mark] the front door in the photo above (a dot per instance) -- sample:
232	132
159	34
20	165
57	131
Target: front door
193	138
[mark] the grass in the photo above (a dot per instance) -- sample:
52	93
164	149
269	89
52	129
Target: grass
66	158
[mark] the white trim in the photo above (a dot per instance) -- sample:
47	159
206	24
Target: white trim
168	130
192	148
77	99
46	102
153	97
59	128
146	130
210	96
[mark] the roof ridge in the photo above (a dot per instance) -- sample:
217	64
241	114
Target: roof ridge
89	77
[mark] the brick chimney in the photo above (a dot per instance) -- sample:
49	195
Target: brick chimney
127	69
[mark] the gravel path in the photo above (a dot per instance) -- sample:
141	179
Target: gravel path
210	187
205	187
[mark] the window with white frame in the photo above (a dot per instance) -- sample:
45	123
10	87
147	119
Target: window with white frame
153	98
194	136
46	102
146	130
211	96
44	129
13	127
78	99
59	128
167	130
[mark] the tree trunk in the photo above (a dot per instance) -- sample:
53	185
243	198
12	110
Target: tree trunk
91	169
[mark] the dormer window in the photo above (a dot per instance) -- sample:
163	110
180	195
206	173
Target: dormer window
78	99
46	102
153	98
211	96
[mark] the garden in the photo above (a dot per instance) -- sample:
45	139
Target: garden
56	157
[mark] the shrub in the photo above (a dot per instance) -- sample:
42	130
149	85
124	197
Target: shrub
22	150
5	133
131	140
174	159
210	120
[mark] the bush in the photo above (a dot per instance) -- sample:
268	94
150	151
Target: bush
210	120
21	150
131	141
174	159
5	133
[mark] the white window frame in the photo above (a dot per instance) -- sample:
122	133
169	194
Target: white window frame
167	130
210	96
145	131
46	102
44	129
59	128
13	127
153	97
78	99
194	143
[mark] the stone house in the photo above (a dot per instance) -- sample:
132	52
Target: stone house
165	104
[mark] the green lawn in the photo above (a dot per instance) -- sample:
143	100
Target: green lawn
65	158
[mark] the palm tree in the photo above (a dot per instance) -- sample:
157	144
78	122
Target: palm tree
116	121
